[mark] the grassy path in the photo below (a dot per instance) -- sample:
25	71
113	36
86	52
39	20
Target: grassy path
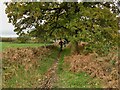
50	76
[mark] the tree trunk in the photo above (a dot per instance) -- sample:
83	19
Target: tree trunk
74	47
45	44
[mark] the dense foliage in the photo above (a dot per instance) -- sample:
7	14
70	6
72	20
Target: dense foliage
95	22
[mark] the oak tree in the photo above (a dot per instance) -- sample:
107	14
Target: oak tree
92	22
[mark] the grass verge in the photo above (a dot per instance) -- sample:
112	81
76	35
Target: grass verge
76	80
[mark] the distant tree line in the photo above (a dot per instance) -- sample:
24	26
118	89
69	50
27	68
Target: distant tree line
7	39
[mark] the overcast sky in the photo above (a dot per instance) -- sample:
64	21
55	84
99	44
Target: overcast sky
6	29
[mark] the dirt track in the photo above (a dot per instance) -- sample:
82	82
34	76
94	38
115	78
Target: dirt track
50	76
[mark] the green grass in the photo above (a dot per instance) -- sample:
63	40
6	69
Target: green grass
64	53
76	80
22	79
47	61
5	45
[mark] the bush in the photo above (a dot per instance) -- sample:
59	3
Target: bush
22	39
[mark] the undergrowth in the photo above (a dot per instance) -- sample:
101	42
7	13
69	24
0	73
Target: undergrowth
18	77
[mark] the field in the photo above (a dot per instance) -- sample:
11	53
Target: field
30	66
18	45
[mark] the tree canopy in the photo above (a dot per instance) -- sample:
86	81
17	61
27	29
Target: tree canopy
92	22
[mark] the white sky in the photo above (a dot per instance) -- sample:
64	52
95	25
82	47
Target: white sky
6	29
